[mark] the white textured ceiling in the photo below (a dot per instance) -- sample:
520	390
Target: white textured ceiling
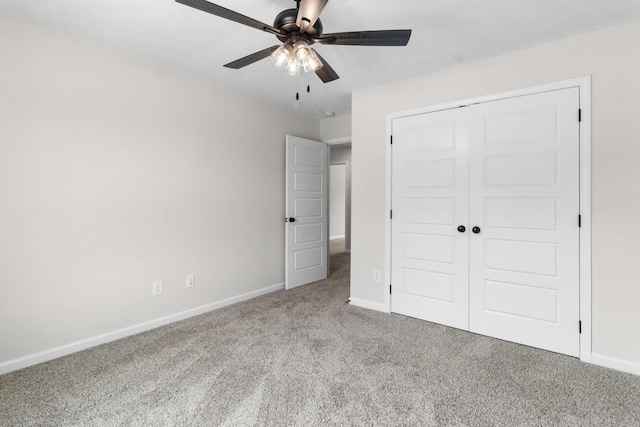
445	33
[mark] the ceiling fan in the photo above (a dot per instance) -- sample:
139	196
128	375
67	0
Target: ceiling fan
297	29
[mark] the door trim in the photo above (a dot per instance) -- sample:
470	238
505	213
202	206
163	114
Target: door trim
584	86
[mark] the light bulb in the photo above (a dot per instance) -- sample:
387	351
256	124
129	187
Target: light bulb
282	55
293	68
305	57
312	62
296	59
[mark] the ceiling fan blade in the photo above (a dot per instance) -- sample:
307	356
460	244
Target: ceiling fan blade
326	73
222	12
250	59
367	38
309	12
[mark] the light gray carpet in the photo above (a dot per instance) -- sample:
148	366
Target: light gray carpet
304	357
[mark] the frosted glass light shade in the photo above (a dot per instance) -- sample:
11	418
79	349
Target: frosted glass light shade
307	59
296	59
282	55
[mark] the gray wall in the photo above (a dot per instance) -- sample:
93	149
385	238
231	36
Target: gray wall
115	173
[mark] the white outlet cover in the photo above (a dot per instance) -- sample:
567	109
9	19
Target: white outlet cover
191	281
158	287
376	276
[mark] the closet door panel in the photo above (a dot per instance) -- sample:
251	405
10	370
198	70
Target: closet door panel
524	197
430	262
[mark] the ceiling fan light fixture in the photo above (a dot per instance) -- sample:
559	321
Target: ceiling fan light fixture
314	62
282	56
306	58
296	59
293	68
285	59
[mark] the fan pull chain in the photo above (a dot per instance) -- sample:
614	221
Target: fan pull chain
298	89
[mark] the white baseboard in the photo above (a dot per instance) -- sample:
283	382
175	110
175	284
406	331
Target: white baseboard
368	305
336	237
617	364
54	353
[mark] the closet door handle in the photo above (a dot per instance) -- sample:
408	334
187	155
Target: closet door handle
476	229
462	228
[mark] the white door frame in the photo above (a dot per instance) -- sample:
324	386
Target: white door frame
584	85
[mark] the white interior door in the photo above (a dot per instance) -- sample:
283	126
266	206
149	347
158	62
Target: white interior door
306	211
508	171
525	200
430	200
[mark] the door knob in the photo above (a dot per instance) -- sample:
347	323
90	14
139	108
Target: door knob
292	219
476	229
462	228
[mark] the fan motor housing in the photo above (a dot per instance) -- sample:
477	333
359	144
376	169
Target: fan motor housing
286	21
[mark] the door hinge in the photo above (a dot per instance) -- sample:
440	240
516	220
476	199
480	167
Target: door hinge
389	289
391	139
579	326
579	221
391	214
579	114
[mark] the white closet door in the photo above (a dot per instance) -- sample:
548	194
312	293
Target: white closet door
524	197
430	200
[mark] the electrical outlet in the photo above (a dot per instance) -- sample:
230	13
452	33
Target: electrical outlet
158	287
376	276
191	281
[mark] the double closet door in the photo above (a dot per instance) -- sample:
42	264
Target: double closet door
485	228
